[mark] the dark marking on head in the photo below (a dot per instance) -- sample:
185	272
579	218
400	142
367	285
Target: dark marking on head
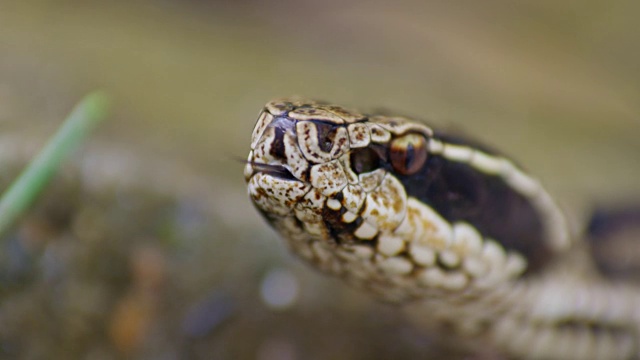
460	193
326	135
280	125
277	147
369	158
340	231
364	160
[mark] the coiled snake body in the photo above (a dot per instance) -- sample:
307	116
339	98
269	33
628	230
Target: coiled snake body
456	233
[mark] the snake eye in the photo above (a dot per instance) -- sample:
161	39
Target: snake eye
408	153
364	160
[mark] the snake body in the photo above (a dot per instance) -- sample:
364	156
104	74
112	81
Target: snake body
459	235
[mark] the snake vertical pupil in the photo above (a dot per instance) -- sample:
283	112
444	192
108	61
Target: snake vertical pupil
408	153
364	160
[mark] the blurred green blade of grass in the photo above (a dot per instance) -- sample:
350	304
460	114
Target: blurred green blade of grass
85	116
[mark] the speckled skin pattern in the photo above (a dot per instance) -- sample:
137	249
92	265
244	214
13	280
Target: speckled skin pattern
460	236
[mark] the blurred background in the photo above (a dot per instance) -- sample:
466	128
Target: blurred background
186	268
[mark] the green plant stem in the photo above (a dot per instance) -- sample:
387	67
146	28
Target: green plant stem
26	188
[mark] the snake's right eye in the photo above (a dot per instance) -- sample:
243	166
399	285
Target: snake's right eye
365	160
408	153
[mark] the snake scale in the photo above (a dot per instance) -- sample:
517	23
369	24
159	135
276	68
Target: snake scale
454	232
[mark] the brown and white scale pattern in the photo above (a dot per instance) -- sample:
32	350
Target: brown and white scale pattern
459	235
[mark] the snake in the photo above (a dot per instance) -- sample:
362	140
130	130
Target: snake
455	233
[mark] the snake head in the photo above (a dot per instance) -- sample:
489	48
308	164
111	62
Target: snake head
324	177
328	168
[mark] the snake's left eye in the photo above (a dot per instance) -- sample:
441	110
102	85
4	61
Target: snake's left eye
408	153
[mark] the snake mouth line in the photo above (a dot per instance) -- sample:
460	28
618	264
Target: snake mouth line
277	171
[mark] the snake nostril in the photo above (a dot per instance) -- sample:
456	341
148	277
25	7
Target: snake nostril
326	136
280	126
